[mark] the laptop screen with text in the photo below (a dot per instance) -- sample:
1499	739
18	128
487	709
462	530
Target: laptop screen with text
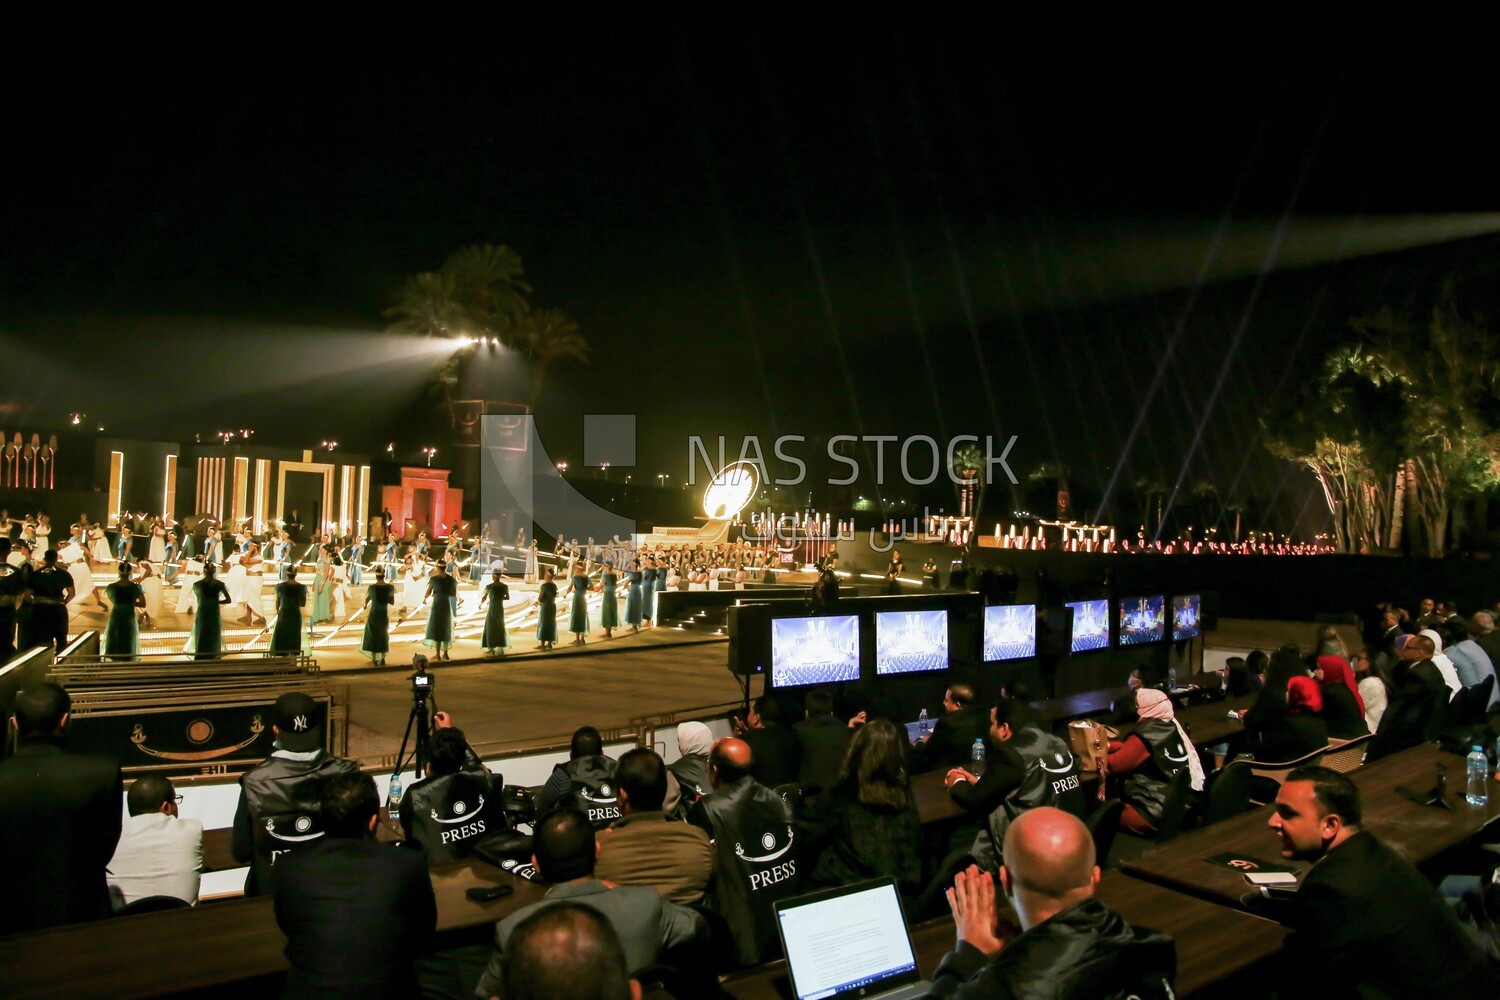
847	942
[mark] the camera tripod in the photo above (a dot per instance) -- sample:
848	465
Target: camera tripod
417	723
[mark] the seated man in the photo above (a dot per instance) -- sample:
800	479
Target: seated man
824	741
642	847
355	912
565	856
567	950
585	782
773	745
278	807
952	739
1367	922
1071	944
1025	768
159	854
457	803
755	860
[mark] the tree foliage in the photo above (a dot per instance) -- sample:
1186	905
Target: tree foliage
1408	413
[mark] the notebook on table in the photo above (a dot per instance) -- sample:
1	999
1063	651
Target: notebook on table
849	942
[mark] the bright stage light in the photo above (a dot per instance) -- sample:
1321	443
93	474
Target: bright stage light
730	491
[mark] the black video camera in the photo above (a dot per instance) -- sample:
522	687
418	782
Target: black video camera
422	683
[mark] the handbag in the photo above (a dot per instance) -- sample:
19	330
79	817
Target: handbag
1089	742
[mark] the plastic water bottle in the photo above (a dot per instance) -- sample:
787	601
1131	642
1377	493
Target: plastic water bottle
922	722
976	759
1171	678
1478	791
393	799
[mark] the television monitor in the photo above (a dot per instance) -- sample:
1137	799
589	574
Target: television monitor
1009	632
1143	619
1185	621
910	642
1090	625
823	649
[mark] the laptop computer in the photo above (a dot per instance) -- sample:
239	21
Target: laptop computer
849	942
916	730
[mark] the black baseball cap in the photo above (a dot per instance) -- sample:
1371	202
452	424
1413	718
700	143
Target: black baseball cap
299	722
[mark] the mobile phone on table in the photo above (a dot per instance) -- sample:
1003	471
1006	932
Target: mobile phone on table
1270	878
489	893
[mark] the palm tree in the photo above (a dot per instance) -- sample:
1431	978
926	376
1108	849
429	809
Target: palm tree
487	280
548	336
427	305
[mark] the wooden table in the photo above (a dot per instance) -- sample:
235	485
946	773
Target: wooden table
208	946
1212	943
1415	831
1210	723
1076	706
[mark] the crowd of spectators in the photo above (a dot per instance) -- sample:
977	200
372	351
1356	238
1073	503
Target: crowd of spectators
672	872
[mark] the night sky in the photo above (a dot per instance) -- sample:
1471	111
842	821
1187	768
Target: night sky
761	228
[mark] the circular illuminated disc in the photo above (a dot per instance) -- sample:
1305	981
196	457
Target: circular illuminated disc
731	490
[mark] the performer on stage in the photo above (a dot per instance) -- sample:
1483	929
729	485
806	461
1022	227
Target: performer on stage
323	587
252	585
609	611
893	574
739	577
234	579
356	559
648	591
51	589
340	588
662	582
75	560
531	564
633	597
483	553
43	534
150	582
578	609
494	640
192	572
169	557
156	552
207	640
413	585
124	541
546	604
189	544
388	556
442	589
378	600
423	544
99	545
122	635
288	637
213	548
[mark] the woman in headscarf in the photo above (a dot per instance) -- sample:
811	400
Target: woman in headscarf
1444	665
1343	707
1302	730
1149	758
694	741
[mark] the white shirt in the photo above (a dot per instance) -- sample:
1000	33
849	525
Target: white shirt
158	855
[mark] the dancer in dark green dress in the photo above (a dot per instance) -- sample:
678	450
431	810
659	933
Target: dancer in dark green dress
207	640
378	601
494	640
578	608
648	590
546	603
633	596
122	636
289	638
609	611
442	589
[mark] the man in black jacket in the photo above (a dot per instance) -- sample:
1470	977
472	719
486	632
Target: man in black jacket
458	801
951	742
278	808
776	753
1071	945
355	912
585	782
824	741
1367	923
59	820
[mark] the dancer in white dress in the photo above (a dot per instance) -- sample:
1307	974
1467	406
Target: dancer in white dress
72	556
156	552
192	572
413	585
43	536
151	586
252	582
234	579
99	545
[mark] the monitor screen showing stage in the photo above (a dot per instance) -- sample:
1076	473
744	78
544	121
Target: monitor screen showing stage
819	650
908	642
1185	624
1009	632
1090	625
1143	619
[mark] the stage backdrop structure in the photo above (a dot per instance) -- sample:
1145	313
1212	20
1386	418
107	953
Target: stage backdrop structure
424	501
